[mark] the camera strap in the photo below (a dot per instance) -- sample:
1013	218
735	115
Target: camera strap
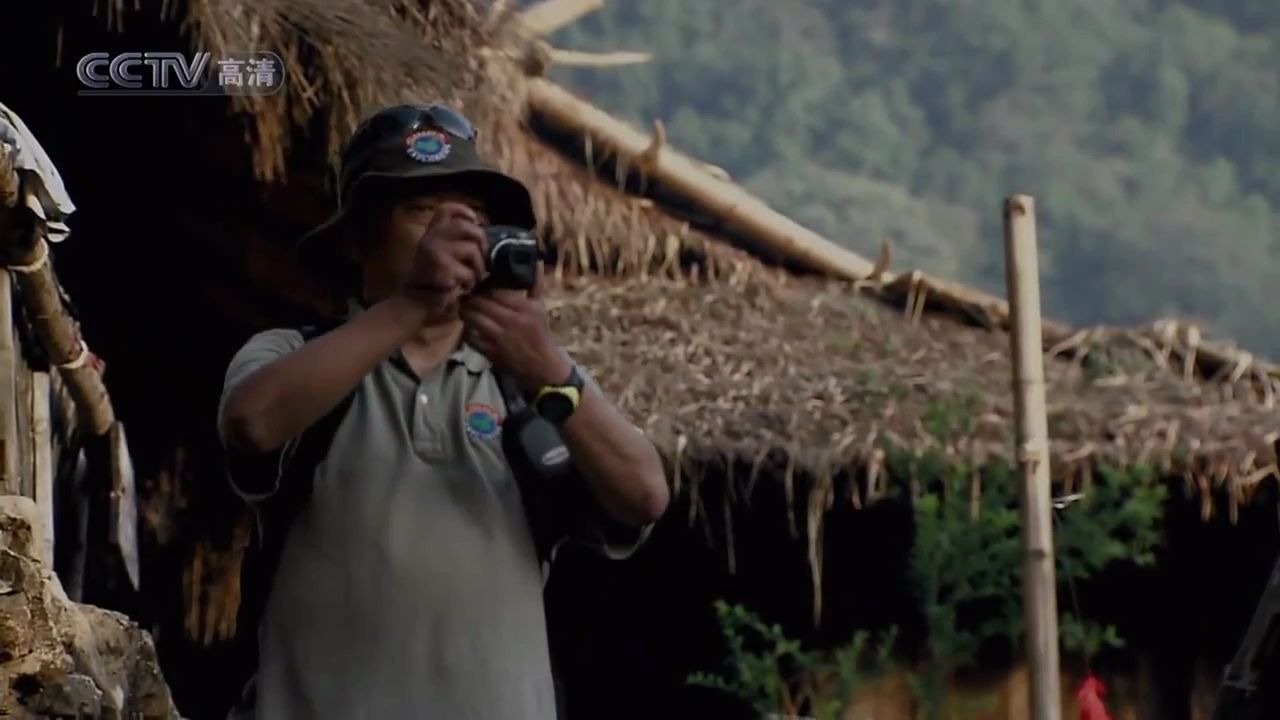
511	394
532	444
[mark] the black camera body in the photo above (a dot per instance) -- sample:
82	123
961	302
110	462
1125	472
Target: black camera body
511	257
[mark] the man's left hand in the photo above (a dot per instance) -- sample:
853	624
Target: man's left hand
512	329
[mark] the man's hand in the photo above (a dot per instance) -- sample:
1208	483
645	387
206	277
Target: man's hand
449	260
512	330
621	466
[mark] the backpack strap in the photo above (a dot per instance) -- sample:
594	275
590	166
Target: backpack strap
296	469
295	476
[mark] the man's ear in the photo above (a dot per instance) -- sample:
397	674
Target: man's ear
363	232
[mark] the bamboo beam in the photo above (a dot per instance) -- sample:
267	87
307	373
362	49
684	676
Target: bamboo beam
1039	587
550	15
10	443
577	58
27	258
690	179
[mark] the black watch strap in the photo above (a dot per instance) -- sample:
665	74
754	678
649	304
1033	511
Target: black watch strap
575	379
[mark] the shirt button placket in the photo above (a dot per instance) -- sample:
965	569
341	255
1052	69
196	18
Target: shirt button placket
426	438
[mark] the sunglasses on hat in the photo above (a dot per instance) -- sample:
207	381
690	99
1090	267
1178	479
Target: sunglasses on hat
401	120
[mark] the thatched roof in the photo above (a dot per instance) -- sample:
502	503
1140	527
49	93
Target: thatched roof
719	355
829	380
348	58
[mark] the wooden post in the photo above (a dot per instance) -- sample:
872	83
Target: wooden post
10	442
42	459
1039	588
22	414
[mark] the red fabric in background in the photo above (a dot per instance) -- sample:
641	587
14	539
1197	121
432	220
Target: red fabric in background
1089	696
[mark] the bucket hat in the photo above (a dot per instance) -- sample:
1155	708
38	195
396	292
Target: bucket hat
424	144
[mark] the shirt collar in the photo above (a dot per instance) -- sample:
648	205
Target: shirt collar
464	355
471	358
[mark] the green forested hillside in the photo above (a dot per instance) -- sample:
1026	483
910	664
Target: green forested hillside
1148	131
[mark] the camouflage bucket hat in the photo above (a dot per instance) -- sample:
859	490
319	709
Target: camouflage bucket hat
422	144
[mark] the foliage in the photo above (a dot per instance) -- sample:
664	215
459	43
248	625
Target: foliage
1118	520
775	675
965	557
965	554
1145	130
965	570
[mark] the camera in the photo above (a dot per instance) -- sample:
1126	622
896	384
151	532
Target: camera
511	257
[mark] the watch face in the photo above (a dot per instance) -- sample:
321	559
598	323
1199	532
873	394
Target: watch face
555	407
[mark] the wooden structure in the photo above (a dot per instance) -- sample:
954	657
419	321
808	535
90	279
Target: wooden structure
776	394
25	433
53	403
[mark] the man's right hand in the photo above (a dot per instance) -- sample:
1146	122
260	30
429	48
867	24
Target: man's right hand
449	260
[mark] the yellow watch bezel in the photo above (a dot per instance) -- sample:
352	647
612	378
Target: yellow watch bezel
575	395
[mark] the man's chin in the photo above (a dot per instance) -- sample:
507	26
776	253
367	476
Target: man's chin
448	314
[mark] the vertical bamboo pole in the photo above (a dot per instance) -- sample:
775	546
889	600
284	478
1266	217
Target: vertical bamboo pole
10	443
22	415
1039	589
42	458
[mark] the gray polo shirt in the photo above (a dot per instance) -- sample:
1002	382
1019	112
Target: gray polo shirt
409	586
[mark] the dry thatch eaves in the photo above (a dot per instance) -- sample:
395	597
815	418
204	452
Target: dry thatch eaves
717	354
829	379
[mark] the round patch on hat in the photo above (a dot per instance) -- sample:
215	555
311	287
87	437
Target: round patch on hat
428	146
482	420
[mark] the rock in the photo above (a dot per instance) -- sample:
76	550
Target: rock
63	659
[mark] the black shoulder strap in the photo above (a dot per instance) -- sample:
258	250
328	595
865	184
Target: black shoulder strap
296	476
511	394
297	470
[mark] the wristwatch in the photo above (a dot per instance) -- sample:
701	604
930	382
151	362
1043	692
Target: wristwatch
557	402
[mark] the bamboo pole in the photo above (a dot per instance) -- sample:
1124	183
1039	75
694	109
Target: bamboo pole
42	459
577	58
550	15
10	443
22	398
27	259
687	177
1039	588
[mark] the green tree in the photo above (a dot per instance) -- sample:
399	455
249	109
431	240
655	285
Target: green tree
1147	132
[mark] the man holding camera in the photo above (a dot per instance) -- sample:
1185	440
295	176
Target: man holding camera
409	584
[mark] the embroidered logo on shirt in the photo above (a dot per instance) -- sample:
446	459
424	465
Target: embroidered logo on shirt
483	422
